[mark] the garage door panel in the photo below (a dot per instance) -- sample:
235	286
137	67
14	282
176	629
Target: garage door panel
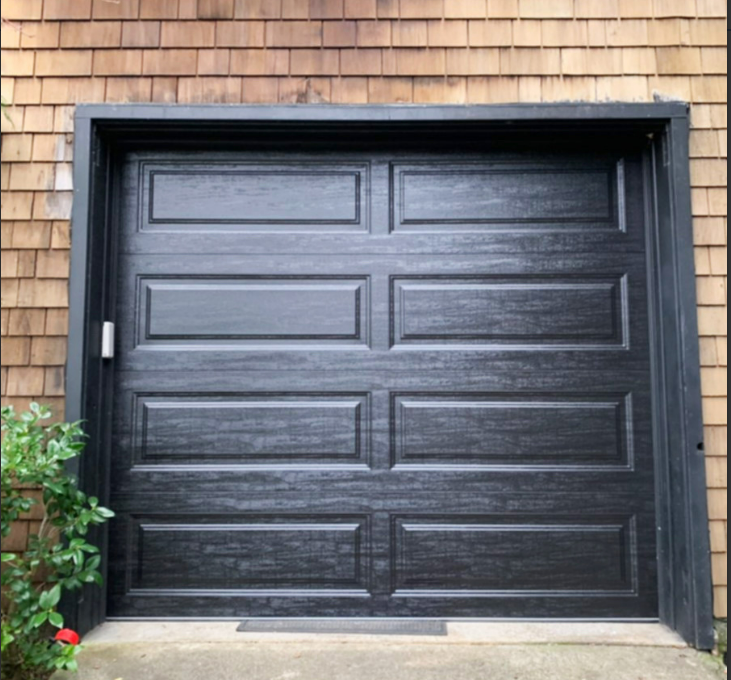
459	310
443	556
504	430
565	428
247	197
547	203
324	322
526	566
237	553
447	196
434	557
195	311
383	384
251	429
476	303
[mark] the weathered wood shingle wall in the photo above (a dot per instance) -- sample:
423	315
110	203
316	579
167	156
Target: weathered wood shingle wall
60	52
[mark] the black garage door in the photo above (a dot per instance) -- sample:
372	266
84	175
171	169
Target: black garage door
392	383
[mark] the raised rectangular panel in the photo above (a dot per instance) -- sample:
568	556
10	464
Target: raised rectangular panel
202	554
255	197
252	429
498	556
253	310
565	432
455	197
550	312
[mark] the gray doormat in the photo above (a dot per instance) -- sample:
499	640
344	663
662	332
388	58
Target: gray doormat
345	627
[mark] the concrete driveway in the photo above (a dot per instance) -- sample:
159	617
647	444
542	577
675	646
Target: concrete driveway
466	654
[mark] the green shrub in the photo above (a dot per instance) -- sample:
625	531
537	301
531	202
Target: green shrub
59	558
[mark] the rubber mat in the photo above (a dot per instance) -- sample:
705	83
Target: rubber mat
342	627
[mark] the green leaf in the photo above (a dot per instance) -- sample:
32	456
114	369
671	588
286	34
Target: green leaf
45	601
8	557
39	619
68	454
53	486
89	576
55	619
55	594
7	638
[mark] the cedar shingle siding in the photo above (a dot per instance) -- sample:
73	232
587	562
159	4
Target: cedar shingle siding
60	52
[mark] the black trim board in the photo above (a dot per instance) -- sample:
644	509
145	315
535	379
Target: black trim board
684	556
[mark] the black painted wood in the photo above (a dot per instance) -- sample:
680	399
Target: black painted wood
90	380
684	545
421	388
105	132
146	119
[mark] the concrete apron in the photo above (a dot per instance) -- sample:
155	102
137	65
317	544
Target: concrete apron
499	651
496	634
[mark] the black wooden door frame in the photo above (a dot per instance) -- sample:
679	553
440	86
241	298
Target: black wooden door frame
686	600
